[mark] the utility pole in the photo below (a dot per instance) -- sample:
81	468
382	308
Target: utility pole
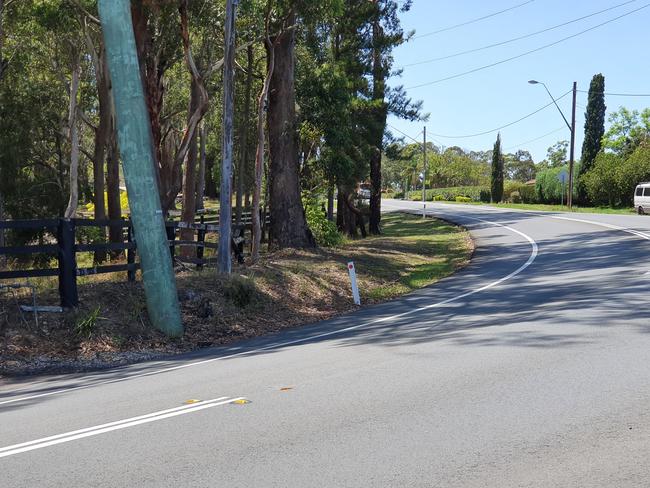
225	196
134	135
569	199
424	174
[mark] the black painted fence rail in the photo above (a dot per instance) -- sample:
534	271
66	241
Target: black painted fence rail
66	248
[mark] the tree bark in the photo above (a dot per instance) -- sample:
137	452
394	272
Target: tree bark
330	203
74	141
113	188
189	182
378	95
200	184
2	65
243	136
288	221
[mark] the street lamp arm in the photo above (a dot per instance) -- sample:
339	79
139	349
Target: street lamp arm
558	107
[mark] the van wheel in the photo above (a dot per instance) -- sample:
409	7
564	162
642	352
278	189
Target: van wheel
640	210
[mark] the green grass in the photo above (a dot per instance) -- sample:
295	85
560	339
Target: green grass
411	253
555	208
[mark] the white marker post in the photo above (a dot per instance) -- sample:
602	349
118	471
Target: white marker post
353	279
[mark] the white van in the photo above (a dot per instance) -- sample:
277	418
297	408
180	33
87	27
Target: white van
642	198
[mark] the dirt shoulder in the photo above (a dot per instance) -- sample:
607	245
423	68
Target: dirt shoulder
286	289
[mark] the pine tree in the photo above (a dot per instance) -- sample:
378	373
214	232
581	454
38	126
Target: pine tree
594	130
496	177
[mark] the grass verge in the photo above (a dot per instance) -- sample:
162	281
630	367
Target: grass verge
553	208
286	289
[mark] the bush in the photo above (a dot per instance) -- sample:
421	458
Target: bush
240	290
438	198
450	194
463	199
548	188
325	232
518	192
485	196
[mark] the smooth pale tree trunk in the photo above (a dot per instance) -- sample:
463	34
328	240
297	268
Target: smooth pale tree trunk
330	203
288	221
259	154
73	134
134	134
225	194
200	184
189	182
113	188
243	137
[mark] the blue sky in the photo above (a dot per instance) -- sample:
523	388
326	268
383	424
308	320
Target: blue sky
499	95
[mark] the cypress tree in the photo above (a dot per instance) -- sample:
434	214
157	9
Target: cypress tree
594	130
496	177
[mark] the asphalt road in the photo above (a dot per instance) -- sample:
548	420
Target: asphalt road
531	367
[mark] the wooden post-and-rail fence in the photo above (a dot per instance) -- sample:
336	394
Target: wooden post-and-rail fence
66	248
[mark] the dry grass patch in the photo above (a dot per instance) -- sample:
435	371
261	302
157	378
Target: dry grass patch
286	289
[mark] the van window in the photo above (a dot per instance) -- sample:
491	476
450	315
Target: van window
646	191
639	191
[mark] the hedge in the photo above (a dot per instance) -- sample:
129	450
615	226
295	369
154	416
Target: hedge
450	194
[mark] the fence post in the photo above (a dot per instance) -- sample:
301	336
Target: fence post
201	239
130	253
67	263
171	237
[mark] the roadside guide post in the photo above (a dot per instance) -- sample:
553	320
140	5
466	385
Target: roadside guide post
353	280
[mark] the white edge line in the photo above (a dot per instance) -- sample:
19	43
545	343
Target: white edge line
93	431
530	260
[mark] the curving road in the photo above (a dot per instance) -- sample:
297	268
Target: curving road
531	367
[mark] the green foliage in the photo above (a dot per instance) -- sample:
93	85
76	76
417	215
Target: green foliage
85	326
240	290
594	130
519	166
484	196
516	190
548	187
325	232
556	155
449	194
496	173
602	182
627	130
463	199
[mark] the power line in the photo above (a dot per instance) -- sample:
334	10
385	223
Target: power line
458	75
405	134
618	94
534	140
456	26
503	126
514	39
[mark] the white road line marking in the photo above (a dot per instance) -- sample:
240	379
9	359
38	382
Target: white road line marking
118	425
533	255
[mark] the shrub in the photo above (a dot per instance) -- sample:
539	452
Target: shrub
438	198
548	188
240	290
485	196
515	197
463	199
450	194
325	232
518	192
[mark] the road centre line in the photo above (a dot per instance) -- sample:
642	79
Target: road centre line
111	426
531	258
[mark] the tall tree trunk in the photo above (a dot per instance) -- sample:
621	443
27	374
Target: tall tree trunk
189	184
200	183
113	187
377	132
259	154
210	183
74	141
243	137
2	65
288	221
330	203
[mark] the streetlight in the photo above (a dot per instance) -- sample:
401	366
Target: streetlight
572	129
